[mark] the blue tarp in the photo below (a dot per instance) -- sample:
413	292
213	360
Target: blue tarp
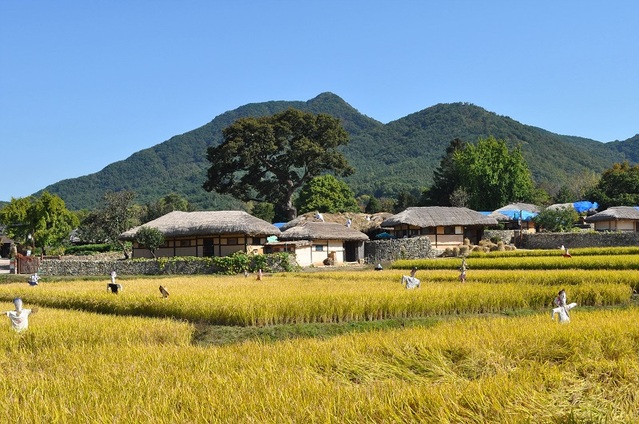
384	236
280	224
585	206
516	215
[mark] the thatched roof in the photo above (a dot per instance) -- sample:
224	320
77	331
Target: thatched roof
363	222
322	231
520	207
296	243
615	213
203	223
434	216
499	216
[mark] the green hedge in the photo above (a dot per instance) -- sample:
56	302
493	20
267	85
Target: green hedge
88	249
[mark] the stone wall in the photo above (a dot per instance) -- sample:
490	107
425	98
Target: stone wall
136	267
507	236
77	267
405	248
583	239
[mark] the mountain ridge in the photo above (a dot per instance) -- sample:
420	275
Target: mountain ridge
388	158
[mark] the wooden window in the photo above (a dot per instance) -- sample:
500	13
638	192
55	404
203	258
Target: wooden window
319	248
185	243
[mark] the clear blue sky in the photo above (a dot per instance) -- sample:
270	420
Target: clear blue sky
84	83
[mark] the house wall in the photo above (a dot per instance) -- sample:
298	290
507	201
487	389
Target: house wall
616	225
440	237
213	245
309	255
303	256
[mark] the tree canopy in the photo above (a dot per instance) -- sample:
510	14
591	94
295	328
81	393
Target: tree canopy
115	217
149	237
326	194
618	186
270	158
169	203
43	221
445	178
557	220
493	175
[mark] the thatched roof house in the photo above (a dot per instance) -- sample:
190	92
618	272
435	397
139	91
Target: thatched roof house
618	218
322	231
327	242
445	226
206	233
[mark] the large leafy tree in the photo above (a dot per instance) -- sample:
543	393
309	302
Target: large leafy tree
326	194
557	220
270	158
445	178
45	219
618	186
115	217
493	175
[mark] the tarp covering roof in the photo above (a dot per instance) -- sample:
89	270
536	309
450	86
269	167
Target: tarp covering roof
514	215
581	206
434	216
520	207
585	206
202	223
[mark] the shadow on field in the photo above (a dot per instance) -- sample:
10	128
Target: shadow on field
216	335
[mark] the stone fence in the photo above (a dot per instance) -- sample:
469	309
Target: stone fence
404	248
136	267
88	267
583	239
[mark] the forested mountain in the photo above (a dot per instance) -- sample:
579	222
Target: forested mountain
400	155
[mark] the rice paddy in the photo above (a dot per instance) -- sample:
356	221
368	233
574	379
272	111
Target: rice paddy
481	351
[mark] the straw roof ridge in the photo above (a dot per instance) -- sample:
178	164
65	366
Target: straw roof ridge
615	212
363	222
322	231
201	223
433	216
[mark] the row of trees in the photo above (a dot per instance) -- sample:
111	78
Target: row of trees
44	222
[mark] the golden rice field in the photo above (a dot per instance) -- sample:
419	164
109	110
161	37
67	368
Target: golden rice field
492	353
325	297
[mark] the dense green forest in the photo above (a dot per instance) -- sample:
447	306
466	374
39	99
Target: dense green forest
388	158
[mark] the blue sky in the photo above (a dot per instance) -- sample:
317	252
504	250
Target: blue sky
84	83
